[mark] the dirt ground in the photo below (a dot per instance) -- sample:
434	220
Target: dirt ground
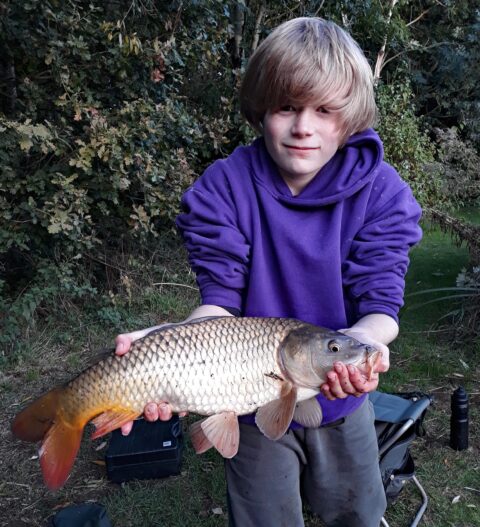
24	500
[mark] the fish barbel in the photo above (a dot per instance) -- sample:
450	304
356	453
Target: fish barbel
220	367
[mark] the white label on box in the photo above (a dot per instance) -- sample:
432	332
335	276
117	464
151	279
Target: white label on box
167	443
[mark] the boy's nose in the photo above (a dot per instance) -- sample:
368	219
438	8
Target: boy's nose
303	124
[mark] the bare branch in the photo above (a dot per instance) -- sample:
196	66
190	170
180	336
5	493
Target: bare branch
422	48
256	29
319	8
382	53
9	80
238	21
421	15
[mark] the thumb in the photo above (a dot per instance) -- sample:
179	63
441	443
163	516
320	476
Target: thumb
122	343
383	363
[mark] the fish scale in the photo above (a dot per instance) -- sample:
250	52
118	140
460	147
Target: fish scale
177	363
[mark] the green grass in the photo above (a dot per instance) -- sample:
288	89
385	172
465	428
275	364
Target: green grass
422	358
425	357
188	499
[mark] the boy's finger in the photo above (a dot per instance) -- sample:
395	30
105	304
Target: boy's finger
126	428
383	364
360	383
151	412
122	344
325	389
335	386
164	412
344	378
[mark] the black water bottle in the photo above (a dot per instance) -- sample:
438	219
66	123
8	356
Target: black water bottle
459	420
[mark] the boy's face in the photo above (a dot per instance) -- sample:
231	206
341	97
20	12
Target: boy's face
301	140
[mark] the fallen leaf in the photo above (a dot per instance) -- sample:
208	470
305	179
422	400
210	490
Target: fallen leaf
101	445
217	510
61	505
464	364
456	499
99	462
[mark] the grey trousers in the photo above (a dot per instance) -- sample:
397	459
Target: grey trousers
334	469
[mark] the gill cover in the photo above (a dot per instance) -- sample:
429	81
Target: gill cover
296	354
306	354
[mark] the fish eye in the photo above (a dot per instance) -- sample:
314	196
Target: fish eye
334	346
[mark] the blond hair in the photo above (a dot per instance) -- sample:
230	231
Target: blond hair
310	61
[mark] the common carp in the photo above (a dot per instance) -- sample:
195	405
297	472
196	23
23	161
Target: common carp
218	367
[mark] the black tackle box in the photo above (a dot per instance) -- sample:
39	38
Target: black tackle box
151	450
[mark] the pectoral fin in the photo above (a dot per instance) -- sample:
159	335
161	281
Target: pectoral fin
199	440
112	419
221	431
274	418
308	413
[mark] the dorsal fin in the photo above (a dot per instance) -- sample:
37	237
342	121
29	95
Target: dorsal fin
169	325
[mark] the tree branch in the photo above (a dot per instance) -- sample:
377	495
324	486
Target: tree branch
256	29
319	8
422	48
9	80
381	54
421	15
238	21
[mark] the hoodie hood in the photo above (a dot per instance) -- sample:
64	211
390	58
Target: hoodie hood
351	168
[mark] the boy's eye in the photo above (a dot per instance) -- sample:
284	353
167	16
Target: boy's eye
323	109
287	108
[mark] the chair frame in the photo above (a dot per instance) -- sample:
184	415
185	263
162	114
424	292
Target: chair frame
423	507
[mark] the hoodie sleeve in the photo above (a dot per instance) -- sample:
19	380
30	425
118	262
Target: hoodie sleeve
218	252
374	273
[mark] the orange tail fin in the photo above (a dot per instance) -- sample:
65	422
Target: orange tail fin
41	420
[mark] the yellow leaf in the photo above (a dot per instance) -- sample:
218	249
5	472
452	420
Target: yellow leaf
25	143
41	131
54	228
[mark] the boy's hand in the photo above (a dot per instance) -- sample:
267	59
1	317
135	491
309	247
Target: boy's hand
347	380
152	410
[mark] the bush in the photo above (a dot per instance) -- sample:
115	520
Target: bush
407	145
457	164
101	133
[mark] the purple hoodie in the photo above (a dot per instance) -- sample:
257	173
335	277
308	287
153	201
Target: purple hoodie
332	254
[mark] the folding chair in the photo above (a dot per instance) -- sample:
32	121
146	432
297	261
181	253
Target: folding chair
398	421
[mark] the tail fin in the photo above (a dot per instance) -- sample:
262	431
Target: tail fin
32	423
41	420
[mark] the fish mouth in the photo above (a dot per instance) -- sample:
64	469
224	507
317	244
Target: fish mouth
372	359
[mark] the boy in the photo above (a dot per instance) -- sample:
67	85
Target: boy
307	222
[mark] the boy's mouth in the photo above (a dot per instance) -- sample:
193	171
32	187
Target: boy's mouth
302	148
